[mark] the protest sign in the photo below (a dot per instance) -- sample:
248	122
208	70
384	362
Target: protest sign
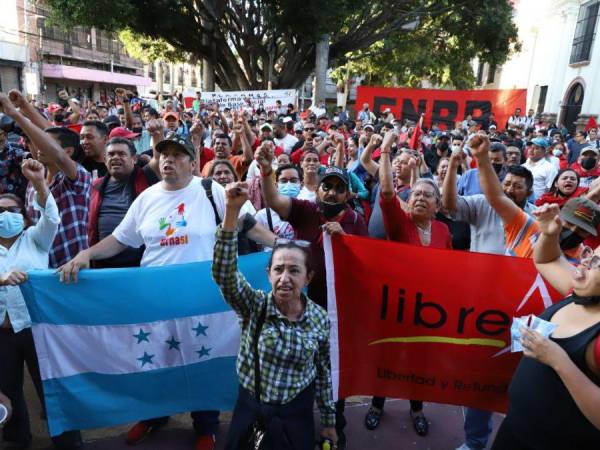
445	107
253	100
422	323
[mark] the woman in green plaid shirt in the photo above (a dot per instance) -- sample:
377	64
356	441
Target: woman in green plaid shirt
293	344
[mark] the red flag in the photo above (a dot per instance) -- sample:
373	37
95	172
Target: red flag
415	140
591	124
426	323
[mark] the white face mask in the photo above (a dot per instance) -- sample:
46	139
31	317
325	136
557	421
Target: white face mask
455	148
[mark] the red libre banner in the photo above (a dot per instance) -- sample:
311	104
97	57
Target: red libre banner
426	324
445	107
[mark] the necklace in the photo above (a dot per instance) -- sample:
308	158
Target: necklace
426	231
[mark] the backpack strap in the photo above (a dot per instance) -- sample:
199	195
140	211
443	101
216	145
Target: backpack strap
270	219
207	185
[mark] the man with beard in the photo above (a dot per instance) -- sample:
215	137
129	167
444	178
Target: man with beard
330	213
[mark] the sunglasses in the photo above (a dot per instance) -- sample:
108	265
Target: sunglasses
11	209
282	242
339	189
309	129
589	259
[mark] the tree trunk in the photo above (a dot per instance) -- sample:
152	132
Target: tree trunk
208	76
321	65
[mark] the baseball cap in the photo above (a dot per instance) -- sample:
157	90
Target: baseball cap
341	174
53	107
286	119
368	126
539	142
171	114
179	142
266	126
589	149
582	212
122	132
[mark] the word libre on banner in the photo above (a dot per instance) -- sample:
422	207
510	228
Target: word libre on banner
123	345
415	322
239	100
444	107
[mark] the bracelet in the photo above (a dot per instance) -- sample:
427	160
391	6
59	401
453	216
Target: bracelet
266	174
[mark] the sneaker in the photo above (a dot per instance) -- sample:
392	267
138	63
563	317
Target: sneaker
420	423
205	442
342	441
373	418
140	432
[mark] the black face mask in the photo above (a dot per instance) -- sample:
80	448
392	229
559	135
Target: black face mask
137	129
569	239
588	163
442	146
497	167
330	210
591	300
58	118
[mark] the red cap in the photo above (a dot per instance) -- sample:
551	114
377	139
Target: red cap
53	107
122	132
171	114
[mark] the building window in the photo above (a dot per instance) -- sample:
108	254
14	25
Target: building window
194	77
181	76
542	99
479	81
491	75
151	72
81	37
584	32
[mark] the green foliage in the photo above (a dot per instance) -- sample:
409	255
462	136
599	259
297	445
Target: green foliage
253	42
441	50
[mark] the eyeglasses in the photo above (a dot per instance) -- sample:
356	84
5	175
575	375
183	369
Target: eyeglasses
339	189
425	194
282	242
309	129
589	259
12	209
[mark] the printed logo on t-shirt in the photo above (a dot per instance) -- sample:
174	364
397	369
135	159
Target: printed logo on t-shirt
171	224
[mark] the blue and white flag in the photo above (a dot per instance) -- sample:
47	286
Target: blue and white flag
128	344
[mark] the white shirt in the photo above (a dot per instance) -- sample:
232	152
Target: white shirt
287	142
305	194
543	172
176	227
29	251
281	228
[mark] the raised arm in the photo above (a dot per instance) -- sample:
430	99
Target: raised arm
338	140
124	96
28	110
156	129
49	149
547	255
490	185
281	204
449	191
385	169
366	158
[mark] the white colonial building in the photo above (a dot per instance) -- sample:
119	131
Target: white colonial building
559	63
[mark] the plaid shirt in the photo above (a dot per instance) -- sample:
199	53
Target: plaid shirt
292	354
12	180
72	198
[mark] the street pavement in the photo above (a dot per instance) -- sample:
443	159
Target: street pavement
395	431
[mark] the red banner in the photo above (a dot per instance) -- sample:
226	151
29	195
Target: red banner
441	106
426	324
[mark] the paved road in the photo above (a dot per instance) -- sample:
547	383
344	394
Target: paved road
395	431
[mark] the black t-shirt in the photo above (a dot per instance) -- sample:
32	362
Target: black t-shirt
91	165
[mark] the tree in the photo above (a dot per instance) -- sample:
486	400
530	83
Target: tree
252	42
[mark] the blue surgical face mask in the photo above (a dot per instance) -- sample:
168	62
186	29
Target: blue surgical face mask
11	224
289	189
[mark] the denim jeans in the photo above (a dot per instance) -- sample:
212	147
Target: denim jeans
478	427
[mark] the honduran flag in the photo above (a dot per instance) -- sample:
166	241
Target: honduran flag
123	345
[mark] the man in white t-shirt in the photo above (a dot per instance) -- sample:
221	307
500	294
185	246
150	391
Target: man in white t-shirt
282	138
543	170
176	221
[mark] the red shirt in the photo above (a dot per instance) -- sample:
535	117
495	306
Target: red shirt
400	227
306	219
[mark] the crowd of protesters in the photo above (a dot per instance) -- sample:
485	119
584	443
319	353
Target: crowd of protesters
83	186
